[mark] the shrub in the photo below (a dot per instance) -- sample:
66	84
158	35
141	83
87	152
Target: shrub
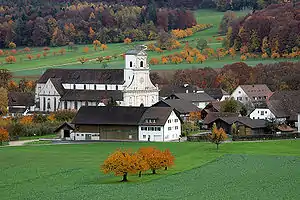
64	115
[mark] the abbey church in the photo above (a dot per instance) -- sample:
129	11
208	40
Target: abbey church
59	89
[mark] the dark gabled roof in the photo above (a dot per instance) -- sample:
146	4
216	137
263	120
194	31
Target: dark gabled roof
214	106
20	99
16	110
285	104
216	93
58	85
213	116
93	76
256	90
167	90
160	114
66	124
192	97
92	95
181	106
252	123
109	115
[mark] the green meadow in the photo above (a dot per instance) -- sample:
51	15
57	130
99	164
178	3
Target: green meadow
244	170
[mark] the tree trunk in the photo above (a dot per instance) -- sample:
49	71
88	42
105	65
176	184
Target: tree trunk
125	177
166	168
217	146
153	171
140	174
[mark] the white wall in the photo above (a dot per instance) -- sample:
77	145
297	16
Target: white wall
200	105
50	94
239	93
262	113
174	125
225	97
81	136
155	135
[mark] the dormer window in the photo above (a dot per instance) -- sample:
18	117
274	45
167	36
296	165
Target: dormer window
130	64
150	121
141	64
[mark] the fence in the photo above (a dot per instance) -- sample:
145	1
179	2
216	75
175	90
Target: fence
266	137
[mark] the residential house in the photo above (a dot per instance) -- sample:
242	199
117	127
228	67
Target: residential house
183	108
247	94
245	125
199	99
72	88
217	93
20	103
126	123
169	89
213	107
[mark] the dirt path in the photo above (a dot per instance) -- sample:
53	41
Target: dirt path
20	143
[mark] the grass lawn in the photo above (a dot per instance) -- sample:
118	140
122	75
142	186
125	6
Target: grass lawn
38	137
248	170
34	68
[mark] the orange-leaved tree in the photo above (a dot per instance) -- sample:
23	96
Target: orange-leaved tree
127	41
121	163
154	61
10	59
4	136
153	157
168	160
217	136
103	46
26	120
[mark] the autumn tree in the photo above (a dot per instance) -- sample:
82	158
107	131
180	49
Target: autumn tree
103	47
38	56
96	44
82	60
168	159
85	49
127	41
91	33
243	57
164	60
12	45
232	52
26	120
29	56
10	59
3	100
153	157
4	136
217	136
154	61
200	58
120	163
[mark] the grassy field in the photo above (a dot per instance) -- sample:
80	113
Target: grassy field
34	68
248	170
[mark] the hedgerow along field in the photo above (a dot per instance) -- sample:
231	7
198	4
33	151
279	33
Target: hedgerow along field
35	67
245	170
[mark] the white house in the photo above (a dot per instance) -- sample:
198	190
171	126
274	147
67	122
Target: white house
262	113
249	93
123	123
159	124
72	88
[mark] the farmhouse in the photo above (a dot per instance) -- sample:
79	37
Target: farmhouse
217	93
72	88
247	94
20	103
125	123
245	125
183	108
199	99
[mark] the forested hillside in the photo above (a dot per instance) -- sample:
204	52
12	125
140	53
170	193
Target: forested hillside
56	24
274	30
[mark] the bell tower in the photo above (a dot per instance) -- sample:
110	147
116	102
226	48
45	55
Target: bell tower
138	86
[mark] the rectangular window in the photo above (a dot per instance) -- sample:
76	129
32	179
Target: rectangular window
176	127
239	98
117	87
95	87
158	128
152	129
76	105
262	113
77	134
266	112
176	120
169	128
105	87
84	86
246	98
144	136
81	134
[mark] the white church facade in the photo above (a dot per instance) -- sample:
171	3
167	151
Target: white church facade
59	89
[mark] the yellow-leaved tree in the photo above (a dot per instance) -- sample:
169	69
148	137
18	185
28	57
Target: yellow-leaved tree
121	163
217	136
4	136
154	158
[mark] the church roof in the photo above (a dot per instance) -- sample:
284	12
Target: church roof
137	50
87	76
58	85
92	95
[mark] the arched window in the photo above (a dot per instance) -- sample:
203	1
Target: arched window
48	104
141	64
54	104
130	64
44	104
